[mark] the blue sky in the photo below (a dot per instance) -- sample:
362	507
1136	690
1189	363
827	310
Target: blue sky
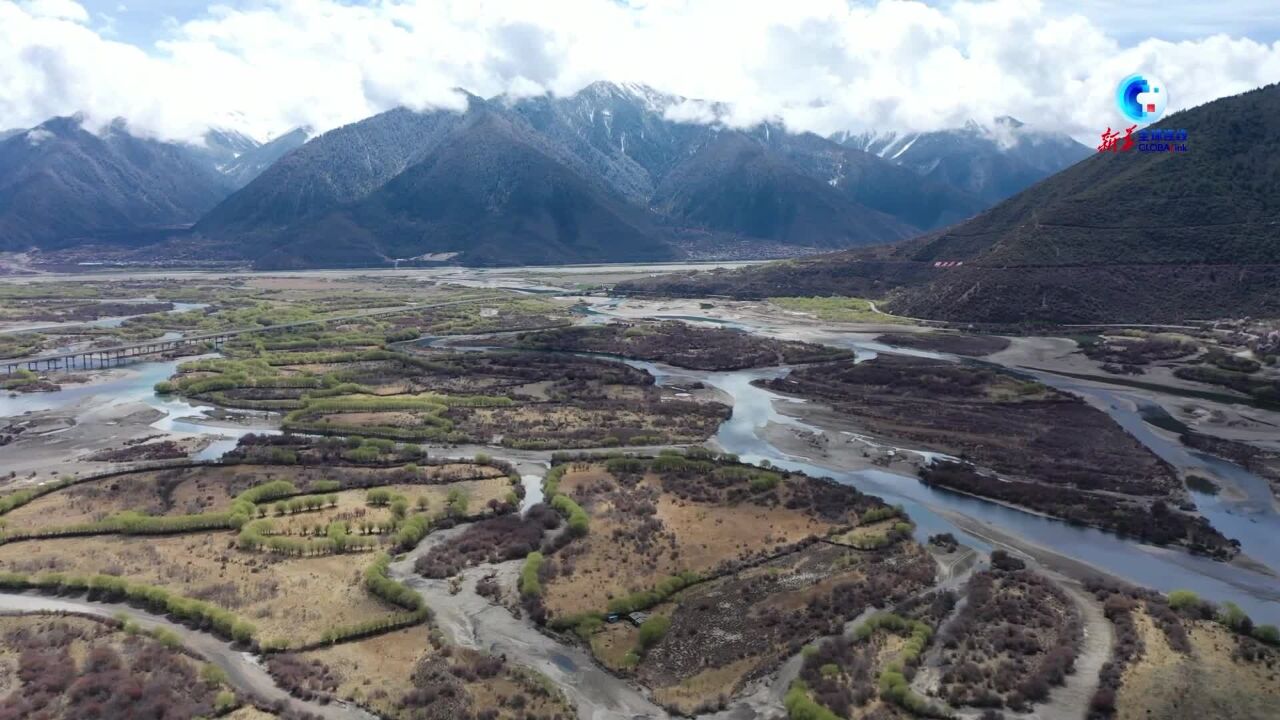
143	22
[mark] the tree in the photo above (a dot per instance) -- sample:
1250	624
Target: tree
653	630
456	502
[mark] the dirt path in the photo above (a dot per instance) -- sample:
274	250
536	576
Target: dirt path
244	672
1071	701
472	621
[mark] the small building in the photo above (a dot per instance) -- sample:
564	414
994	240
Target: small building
488	312
638	618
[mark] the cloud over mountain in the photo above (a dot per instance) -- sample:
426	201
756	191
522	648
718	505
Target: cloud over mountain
819	65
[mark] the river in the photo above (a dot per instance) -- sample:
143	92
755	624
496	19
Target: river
1255	525
1162	569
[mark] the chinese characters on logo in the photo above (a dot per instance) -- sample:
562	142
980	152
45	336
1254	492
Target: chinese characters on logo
1148	141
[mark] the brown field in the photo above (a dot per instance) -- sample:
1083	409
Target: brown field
159	492
212	488
383	672
56	667
353	507
294	600
629	550
1206	683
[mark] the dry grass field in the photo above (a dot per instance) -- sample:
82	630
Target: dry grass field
641	535
1208	682
293	600
211	488
406	674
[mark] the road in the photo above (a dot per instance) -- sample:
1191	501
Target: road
243	670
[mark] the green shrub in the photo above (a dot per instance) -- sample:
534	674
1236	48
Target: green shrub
652	631
578	521
530	585
224	702
1268	634
1183	599
377	582
411	532
802	707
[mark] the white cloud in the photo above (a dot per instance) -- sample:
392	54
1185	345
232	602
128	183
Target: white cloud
59	9
821	65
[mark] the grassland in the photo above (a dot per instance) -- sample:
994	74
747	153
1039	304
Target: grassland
1180	656
650	521
256	302
283	550
839	309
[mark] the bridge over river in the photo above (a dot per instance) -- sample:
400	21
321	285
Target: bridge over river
103	357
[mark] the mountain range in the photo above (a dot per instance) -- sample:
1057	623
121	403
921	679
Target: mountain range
989	161
604	174
1119	237
62	185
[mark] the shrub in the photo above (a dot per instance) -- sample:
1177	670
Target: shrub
1183	600
802	707
653	630
411	532
380	584
530	584
1268	634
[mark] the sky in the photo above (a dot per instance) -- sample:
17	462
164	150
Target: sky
175	68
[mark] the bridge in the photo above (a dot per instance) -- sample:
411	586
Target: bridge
104	357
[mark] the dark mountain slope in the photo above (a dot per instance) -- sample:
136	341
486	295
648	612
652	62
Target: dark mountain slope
738	185
1123	237
493	193
341	166
60	183
873	182
1217	203
623	134
618	132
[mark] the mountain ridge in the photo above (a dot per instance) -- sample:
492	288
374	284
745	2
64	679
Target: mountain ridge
1118	237
702	189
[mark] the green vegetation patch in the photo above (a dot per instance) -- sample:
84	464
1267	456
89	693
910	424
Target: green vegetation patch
839	309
